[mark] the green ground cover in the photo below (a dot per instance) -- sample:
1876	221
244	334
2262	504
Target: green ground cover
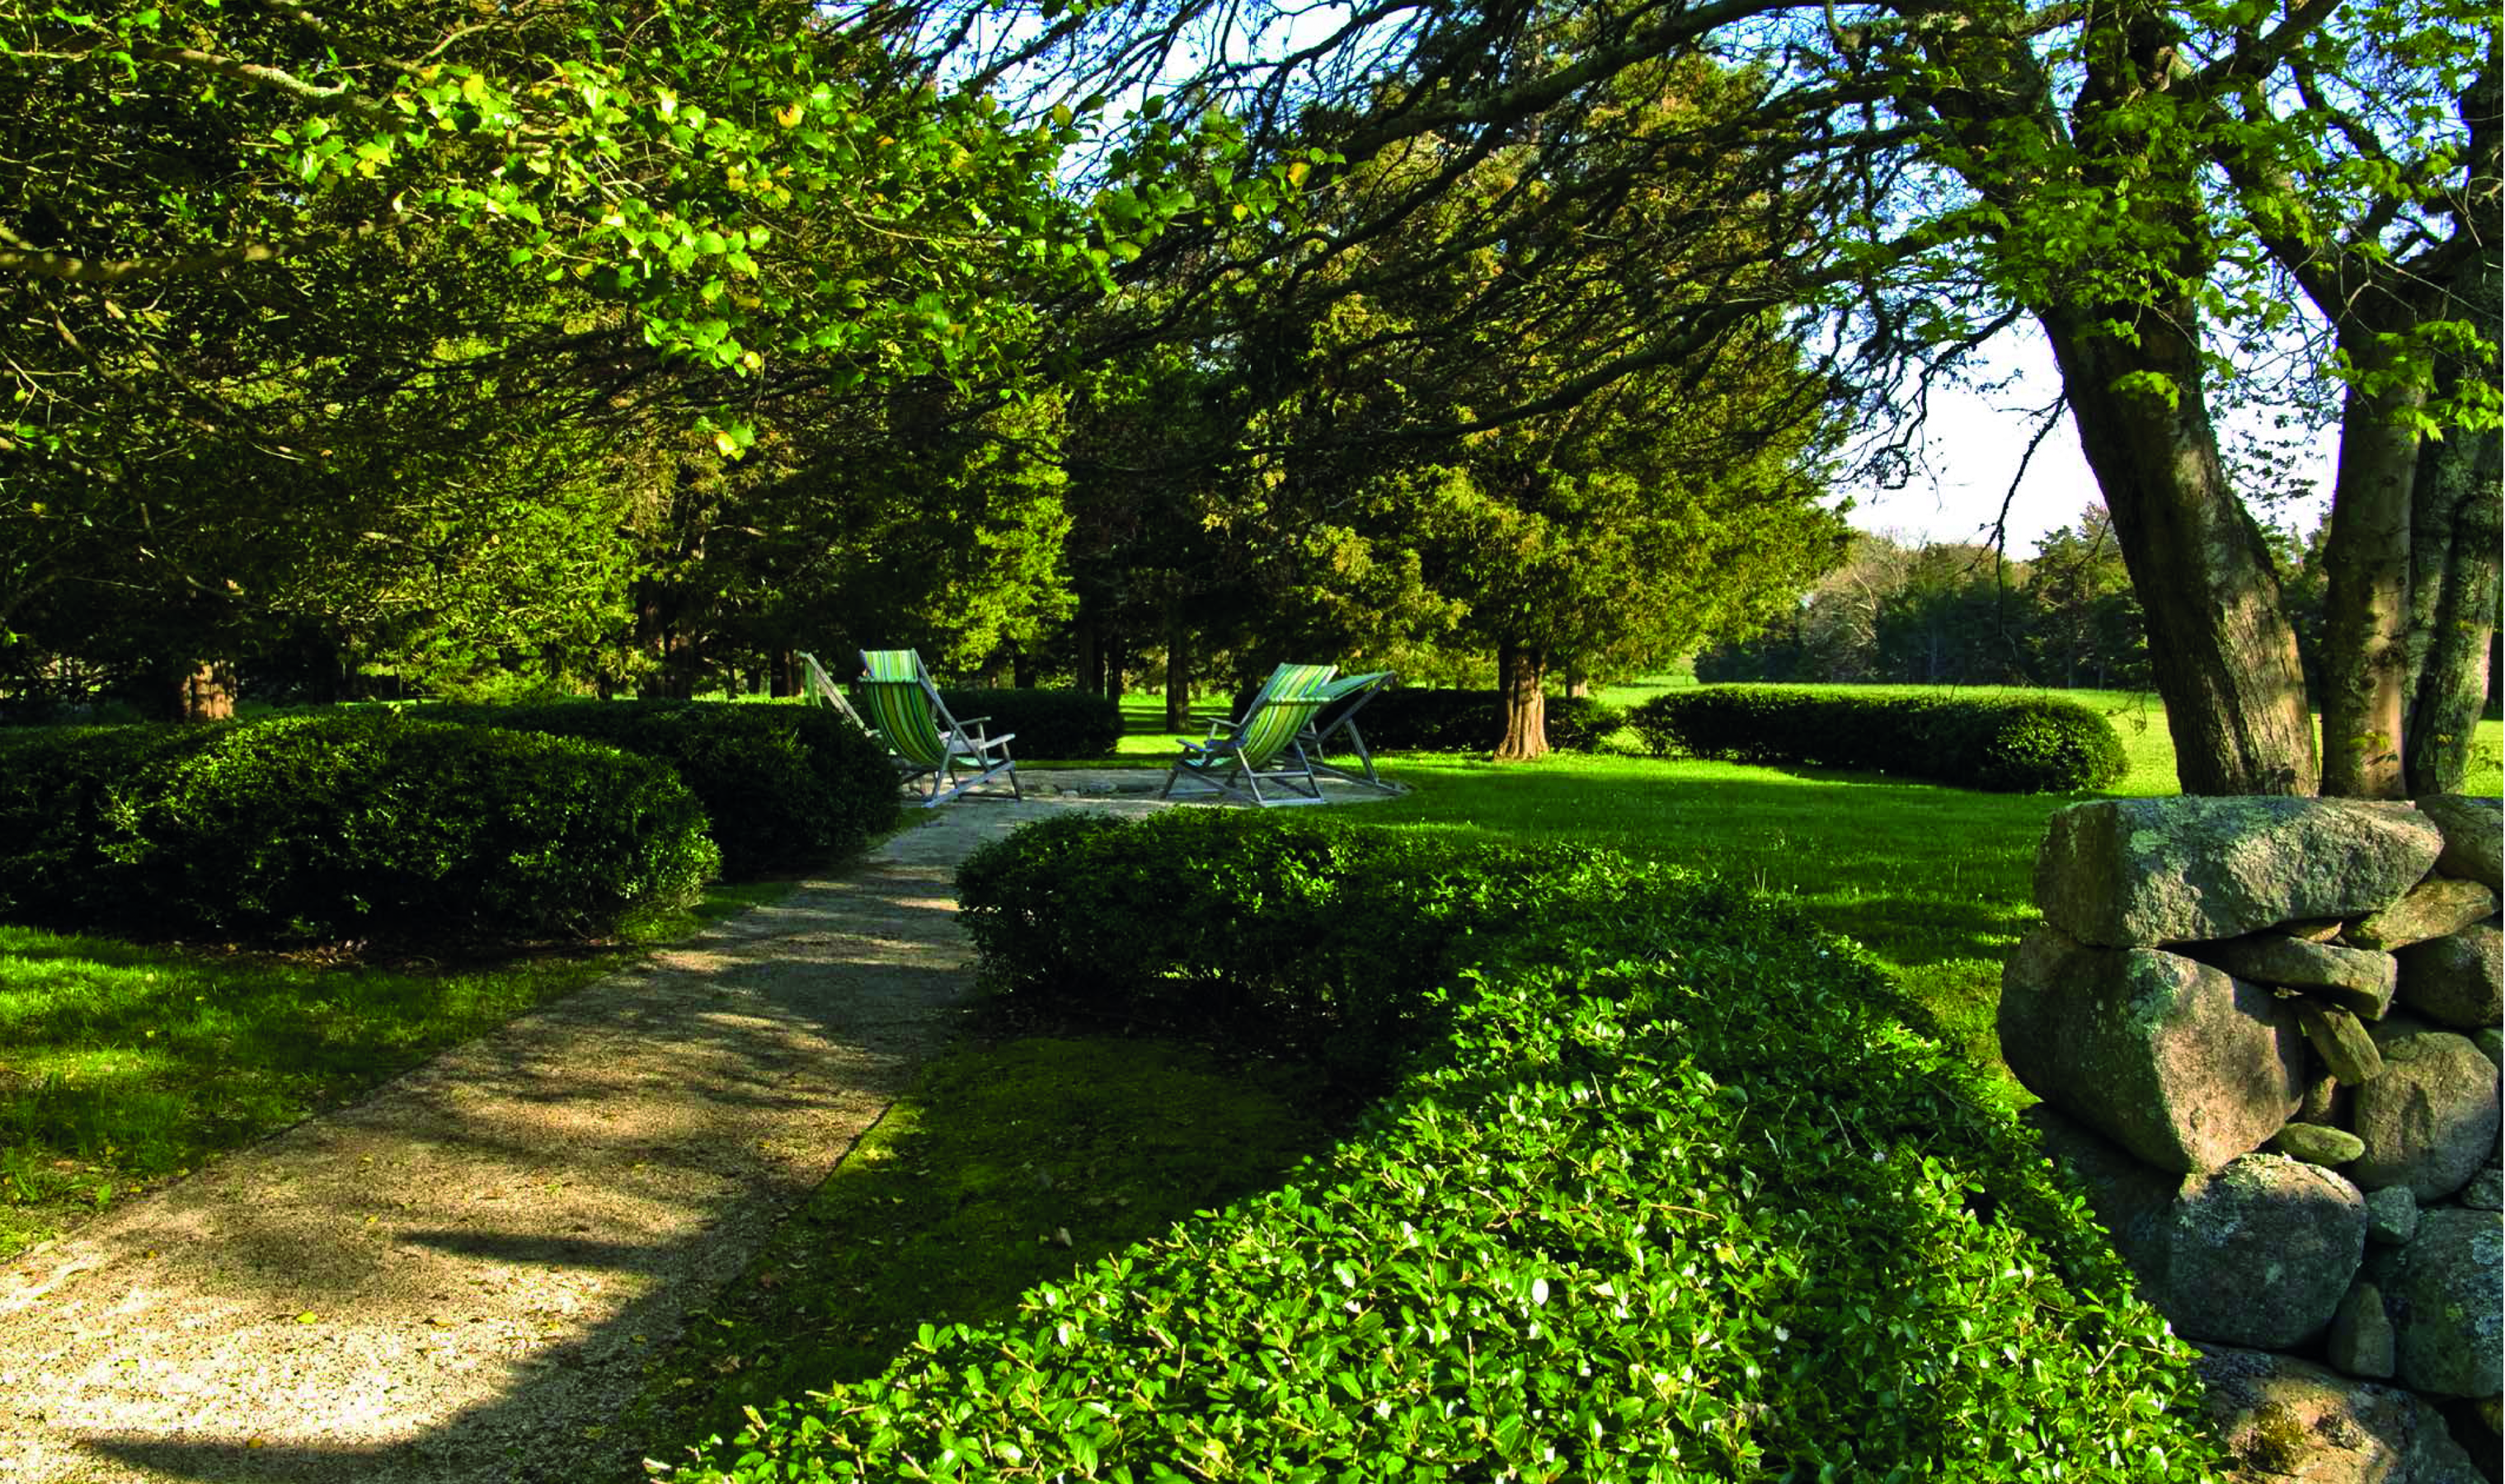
122	1066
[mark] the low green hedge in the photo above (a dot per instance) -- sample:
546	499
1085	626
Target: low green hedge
347	826
785	786
1315	943
2001	746
1425	719
1668	1189
1048	724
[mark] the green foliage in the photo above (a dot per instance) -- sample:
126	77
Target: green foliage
1048	724
784	786
1670	1191
1950	613
1228	925
2025	746
359	825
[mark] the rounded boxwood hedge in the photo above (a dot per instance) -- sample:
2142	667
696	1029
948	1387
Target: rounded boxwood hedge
1048	724
1667	1188
785	786
2005	746
346	825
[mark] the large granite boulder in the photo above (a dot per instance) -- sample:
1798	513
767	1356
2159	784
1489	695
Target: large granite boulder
2457	979
2281	1419
2430	1122
2138	871
2261	1253
2355	980
2174	1060
2473	838
2446	1292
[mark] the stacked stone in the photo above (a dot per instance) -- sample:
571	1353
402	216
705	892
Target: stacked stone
2266	1032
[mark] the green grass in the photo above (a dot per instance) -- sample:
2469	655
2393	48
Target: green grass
122	1066
1008	1165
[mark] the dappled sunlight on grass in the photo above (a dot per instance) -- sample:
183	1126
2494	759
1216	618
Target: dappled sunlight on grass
123	1065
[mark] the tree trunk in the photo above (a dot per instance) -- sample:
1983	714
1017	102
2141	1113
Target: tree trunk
1117	664
783	674
1022	671
2461	495
1520	672
2365	603
1178	672
2220	644
2454	564
205	692
1091	662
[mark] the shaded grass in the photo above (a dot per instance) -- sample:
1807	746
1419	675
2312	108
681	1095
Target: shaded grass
122	1066
1008	1165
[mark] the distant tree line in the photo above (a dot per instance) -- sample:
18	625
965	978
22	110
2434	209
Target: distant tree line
1956	613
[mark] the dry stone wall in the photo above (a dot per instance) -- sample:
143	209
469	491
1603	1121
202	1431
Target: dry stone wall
2267	1037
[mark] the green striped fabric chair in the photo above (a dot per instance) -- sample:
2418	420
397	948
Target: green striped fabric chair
1348	694
925	741
1240	758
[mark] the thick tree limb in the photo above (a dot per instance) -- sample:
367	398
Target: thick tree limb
74	270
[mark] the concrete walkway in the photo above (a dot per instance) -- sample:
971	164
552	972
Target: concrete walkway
462	1278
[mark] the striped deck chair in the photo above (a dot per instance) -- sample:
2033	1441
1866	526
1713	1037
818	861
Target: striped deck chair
1285	672
1345	696
821	689
1241	757
906	712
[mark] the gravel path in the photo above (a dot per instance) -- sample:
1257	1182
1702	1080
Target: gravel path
460	1279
